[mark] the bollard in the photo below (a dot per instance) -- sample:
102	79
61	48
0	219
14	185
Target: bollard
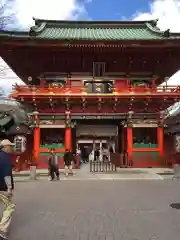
33	173
176	171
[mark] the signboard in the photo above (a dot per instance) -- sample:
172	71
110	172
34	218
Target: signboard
52	124
99	86
145	125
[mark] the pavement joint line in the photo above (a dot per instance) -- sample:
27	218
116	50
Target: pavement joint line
160	177
92	179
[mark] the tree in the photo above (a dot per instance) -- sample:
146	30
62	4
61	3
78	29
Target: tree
10	110
7	13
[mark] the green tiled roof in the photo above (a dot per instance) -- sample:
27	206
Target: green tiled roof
90	30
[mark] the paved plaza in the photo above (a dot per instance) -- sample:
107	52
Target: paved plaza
97	210
122	174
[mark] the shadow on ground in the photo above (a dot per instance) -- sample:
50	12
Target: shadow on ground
175	206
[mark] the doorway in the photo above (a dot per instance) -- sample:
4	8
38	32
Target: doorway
90	145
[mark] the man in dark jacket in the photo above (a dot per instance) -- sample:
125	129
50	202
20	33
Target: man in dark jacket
68	161
6	186
53	166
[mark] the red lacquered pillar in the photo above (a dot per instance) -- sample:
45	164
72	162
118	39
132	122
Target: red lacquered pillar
36	139
130	144
68	138
160	136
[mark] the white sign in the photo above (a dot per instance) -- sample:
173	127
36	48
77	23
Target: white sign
177	143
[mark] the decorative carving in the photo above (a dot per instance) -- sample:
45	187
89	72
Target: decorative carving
68	118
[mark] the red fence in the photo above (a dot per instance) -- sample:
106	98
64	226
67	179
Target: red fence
24	161
144	160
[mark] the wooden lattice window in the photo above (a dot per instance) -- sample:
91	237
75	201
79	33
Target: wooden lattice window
99	69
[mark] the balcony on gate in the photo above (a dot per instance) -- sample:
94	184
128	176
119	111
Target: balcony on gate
78	87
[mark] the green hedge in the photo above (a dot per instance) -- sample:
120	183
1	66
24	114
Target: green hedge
142	145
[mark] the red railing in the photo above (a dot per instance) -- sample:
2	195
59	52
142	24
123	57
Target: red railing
144	160
24	90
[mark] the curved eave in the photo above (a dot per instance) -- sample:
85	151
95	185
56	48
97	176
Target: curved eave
172	35
31	40
14	35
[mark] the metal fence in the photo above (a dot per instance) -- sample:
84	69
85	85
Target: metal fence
102	167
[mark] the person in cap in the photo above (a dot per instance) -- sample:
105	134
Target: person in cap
6	187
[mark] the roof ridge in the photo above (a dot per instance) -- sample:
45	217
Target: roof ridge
38	20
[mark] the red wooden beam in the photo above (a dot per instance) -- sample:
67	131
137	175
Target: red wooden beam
159	43
45	150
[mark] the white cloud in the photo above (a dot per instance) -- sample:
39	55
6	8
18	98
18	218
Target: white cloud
54	9
167	11
7	77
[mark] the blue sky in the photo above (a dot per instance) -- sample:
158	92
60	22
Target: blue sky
115	9
167	11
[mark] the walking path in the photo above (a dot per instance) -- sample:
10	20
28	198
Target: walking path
122	174
96	210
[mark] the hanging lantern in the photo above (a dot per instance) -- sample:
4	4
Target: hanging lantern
29	79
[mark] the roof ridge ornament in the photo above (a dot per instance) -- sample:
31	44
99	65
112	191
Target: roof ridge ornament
154	22
38	27
152	26
166	33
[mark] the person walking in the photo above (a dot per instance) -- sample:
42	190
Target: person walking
91	156
84	155
97	154
6	187
53	166
68	161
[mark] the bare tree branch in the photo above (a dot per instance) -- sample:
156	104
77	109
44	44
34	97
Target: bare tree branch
7	13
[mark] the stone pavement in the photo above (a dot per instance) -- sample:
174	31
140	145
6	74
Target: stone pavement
121	174
96	210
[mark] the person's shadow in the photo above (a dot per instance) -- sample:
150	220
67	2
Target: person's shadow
175	206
